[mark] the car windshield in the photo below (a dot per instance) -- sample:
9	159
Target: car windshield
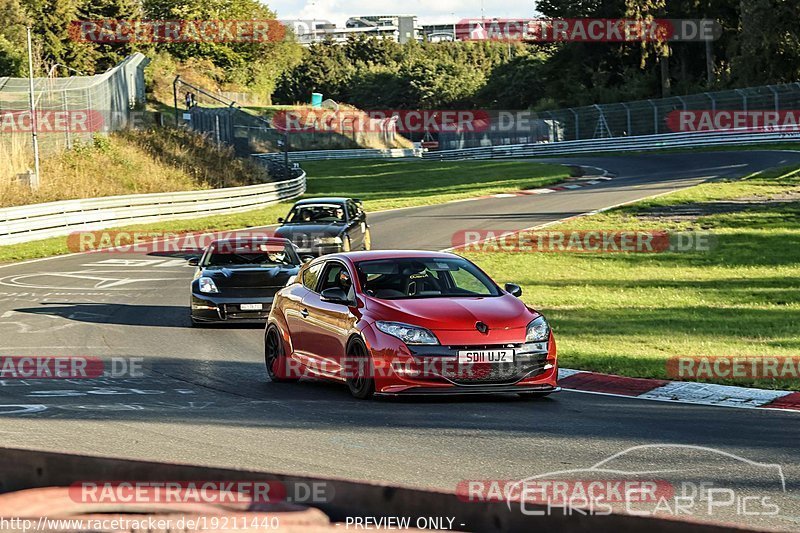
316	214
231	254
423	277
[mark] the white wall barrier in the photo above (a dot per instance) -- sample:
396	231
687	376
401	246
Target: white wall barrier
39	221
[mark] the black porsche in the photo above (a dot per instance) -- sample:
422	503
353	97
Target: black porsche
319	226
236	280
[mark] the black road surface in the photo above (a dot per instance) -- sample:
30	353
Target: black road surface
204	397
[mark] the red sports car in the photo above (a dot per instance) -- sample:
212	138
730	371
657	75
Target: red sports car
408	322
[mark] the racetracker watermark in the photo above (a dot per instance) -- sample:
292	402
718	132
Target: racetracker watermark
177	31
576	492
377	121
199	492
435	368
69	367
734	367
167	242
731	119
587	30
75	121
582	241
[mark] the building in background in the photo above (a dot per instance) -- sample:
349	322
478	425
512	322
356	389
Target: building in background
399	28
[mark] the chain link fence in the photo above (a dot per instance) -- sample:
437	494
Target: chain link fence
70	110
253	131
636	118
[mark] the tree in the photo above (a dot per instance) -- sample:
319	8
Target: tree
12	39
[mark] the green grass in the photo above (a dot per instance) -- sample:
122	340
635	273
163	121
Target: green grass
381	184
388	184
627	314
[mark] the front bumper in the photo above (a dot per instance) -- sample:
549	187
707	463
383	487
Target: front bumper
431	370
486	389
217	308
317	251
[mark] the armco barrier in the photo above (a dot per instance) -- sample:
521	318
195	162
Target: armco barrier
359	153
342	499
616	144
39	221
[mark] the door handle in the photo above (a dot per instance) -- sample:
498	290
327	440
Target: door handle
304	312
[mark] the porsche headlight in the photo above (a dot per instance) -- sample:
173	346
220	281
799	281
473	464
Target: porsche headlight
407	333
328	240
538	330
207	285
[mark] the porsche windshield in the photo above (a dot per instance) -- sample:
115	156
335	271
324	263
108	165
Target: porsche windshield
231	254
316	214
394	279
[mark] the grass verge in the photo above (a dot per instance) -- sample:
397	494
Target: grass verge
381	184
629	313
135	162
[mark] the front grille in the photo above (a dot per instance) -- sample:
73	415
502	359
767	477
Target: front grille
525	365
233	312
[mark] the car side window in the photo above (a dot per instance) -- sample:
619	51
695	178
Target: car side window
310	276
352	210
337	276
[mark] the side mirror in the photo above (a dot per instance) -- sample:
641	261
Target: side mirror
194	261
306	258
334	295
281	220
513	289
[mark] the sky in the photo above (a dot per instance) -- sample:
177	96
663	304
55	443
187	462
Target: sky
427	11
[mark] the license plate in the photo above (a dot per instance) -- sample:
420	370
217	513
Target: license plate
486	356
251	307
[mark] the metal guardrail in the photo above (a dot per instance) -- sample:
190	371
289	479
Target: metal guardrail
39	221
358	153
617	144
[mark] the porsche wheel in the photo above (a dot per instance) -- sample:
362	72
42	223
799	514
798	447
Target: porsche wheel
275	358
360	380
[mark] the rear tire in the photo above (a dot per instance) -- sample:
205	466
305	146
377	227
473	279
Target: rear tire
275	357
362	382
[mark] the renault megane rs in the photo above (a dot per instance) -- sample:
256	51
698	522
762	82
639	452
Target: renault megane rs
408	322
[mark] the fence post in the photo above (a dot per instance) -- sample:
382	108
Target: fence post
628	118
777	98
577	124
175	98
744	99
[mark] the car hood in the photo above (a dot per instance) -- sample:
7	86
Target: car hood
504	312
247	276
309	229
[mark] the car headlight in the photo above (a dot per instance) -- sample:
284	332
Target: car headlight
207	285
328	240
538	331
407	333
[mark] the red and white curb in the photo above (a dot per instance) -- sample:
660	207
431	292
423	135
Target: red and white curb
600	178
688	392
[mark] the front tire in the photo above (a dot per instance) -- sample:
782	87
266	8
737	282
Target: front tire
361	382
275	357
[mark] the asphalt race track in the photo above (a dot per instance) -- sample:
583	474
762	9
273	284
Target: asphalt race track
205	398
